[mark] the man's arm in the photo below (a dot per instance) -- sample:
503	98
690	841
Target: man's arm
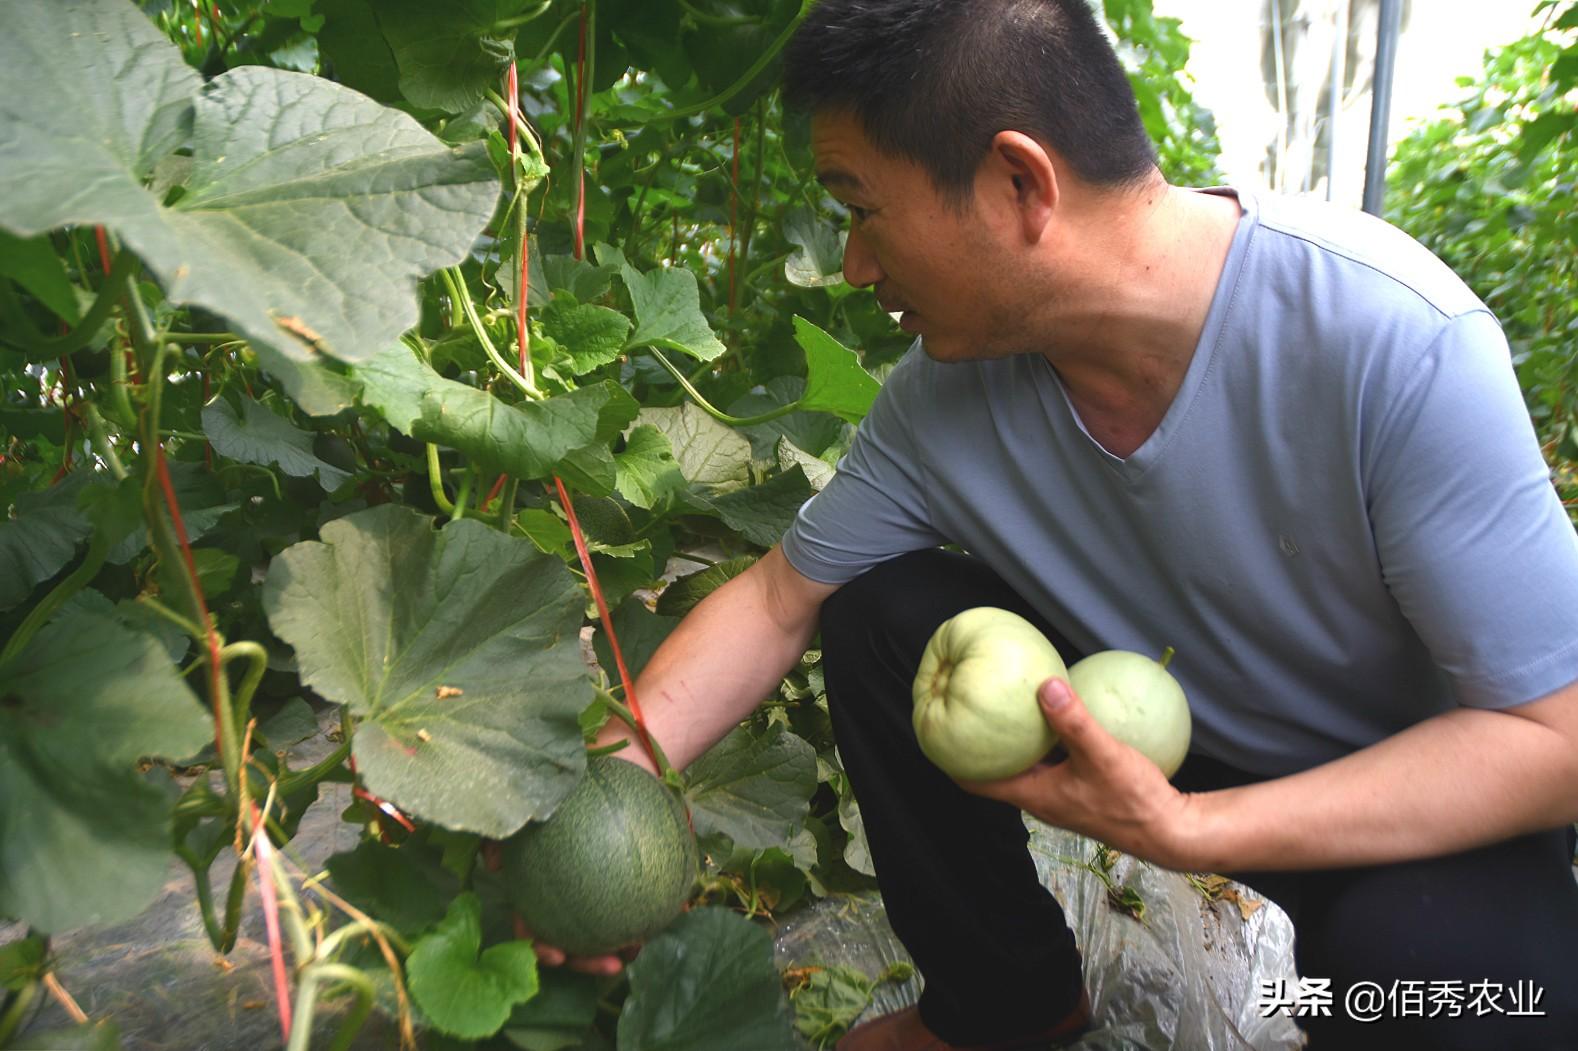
728	653
1459	780
1452	782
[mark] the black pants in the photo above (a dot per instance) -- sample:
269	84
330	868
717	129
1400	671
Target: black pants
993	944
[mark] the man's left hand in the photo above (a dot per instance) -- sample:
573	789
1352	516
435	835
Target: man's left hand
1105	789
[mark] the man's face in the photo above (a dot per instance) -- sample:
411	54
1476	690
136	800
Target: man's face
937	265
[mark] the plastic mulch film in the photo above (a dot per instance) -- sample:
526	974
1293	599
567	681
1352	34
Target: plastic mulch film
1184	977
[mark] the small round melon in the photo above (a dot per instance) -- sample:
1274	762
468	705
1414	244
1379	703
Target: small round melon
611	867
1137	701
976	715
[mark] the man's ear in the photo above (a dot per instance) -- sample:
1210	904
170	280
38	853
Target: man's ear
1025	170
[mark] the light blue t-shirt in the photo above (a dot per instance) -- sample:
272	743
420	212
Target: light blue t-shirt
1343	524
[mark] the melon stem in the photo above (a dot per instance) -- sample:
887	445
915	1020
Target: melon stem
1167	655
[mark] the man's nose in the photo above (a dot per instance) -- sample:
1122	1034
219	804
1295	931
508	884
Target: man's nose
861	268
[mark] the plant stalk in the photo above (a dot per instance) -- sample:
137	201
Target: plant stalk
707	406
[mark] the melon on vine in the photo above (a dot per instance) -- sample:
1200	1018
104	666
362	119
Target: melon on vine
611	867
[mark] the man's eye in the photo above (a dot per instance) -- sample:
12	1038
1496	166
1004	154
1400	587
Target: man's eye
858	213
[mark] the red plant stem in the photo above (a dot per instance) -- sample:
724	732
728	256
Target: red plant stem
215	670
265	859
197	22
512	95
580	115
104	247
608	622
379	804
734	212
493	494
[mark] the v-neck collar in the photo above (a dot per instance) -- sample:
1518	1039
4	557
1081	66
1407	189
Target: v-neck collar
1132	467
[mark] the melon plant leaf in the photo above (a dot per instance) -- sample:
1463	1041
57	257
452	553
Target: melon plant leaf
709	453
22	961
352	41
528	440
446	53
647	470
680	597
818	261
203	503
33	264
668	312
728	39
405	886
818	472
84	837
857	853
310	212
835	381
707	983
591	335
462	991
559	1016
456	650
815	432
130	98
760	513
260	435
28	423
40	540
755	789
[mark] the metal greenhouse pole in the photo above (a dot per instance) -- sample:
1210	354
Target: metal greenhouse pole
1387	31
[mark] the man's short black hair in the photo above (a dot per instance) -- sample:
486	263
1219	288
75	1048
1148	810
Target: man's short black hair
935	80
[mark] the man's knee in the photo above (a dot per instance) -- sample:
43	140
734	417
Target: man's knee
1455	949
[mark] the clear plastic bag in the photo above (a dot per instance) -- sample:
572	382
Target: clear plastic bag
1185	977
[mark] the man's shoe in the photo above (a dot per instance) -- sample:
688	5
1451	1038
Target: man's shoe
904	1031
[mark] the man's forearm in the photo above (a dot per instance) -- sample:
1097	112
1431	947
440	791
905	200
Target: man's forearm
1456	781
728	653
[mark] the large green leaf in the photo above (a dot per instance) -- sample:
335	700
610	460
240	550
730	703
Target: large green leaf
203	502
835	381
84	837
647	469
709	453
755	789
406	887
668	312
529	440
40	540
35	266
458	650
818	261
463	989
760	513
259	435
357	53
310	211
818	472
708	983
591	335
449	54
